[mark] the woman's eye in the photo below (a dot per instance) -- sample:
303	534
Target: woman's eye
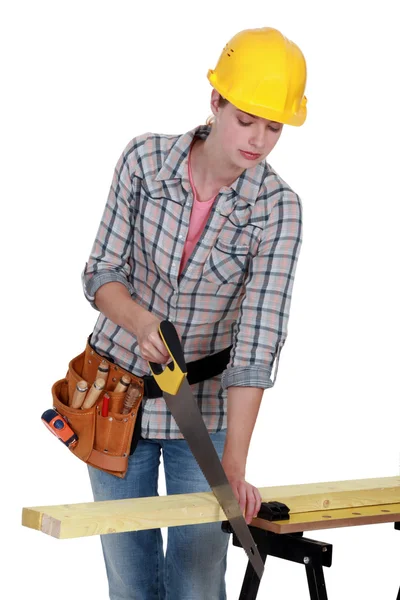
276	130
244	123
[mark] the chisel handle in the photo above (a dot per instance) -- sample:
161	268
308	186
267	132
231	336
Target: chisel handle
102	370
122	384
170	378
79	394
93	393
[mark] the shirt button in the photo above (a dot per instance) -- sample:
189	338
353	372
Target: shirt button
217	209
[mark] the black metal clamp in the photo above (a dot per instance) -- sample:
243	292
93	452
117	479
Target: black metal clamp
273	511
269	511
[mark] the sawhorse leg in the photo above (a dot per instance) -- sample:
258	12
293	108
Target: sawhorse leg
295	548
316	582
251	582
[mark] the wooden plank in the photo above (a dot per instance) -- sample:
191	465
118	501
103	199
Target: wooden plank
329	519
335	494
94	518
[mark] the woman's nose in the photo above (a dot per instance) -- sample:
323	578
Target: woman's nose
257	138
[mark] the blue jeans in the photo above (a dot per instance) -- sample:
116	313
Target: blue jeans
195	561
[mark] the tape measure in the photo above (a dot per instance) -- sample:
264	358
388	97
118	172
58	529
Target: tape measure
59	427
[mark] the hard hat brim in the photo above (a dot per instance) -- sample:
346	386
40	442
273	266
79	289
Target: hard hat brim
296	119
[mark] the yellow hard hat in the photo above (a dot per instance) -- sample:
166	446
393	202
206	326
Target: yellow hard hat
263	73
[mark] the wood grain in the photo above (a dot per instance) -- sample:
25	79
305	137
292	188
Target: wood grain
94	518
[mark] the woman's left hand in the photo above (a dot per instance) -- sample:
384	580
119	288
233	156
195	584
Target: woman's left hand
248	496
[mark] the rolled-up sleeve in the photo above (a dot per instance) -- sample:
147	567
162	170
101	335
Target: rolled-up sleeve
261	327
111	256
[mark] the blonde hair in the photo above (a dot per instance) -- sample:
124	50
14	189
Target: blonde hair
221	102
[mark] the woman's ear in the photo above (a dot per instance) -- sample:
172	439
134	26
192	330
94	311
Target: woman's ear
214	104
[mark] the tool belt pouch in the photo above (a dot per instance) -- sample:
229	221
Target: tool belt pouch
103	442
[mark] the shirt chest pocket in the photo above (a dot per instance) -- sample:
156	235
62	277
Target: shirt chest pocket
226	263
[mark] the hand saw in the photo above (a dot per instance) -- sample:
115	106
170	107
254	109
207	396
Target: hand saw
183	406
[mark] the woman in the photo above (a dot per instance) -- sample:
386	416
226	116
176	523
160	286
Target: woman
200	230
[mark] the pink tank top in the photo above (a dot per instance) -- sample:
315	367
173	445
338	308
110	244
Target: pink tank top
198	220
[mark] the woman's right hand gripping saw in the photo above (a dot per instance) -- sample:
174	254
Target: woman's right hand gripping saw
151	346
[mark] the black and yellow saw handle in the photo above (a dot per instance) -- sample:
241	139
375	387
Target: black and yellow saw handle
170	378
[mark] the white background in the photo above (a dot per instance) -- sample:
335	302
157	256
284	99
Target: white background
79	80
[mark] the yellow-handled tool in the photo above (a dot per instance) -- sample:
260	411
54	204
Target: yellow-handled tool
183	406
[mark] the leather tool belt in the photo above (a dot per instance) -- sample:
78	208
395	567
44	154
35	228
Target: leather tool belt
105	442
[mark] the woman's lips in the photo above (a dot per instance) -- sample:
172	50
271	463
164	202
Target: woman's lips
249	155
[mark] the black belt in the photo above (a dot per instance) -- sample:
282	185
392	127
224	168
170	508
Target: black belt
197	370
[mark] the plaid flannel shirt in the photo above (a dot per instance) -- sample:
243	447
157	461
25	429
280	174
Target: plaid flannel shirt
235	289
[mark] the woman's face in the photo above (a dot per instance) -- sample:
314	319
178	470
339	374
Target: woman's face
246	140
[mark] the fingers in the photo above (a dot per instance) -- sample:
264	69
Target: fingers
249	500
250	505
154	350
258	498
